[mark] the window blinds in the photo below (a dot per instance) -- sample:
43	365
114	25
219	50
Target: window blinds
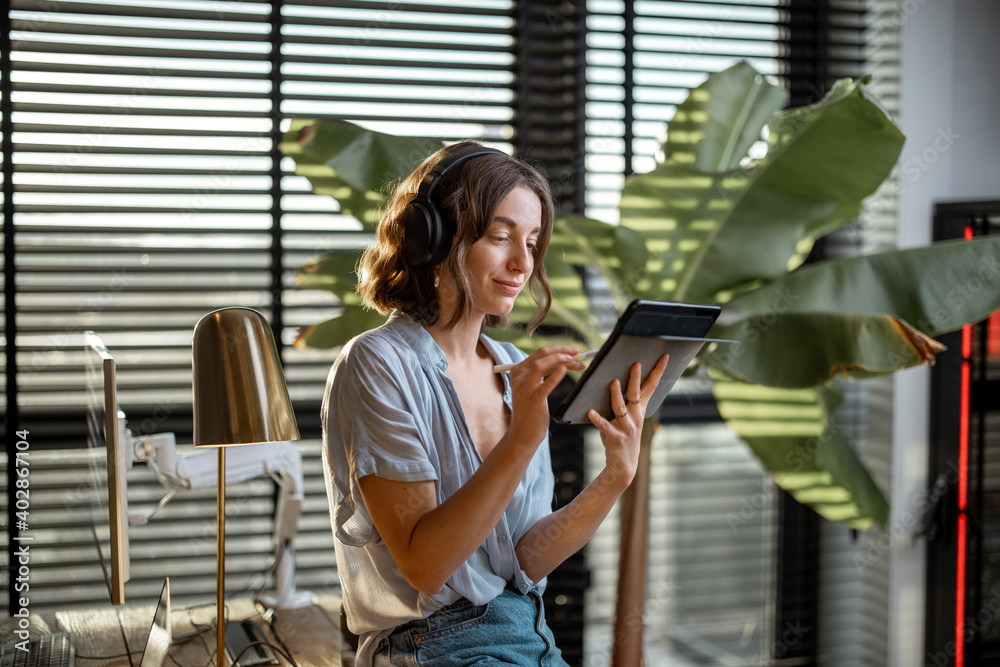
148	190
140	140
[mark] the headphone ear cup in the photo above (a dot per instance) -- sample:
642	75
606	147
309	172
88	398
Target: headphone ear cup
421	229
426	238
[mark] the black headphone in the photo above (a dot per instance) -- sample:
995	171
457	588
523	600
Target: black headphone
426	235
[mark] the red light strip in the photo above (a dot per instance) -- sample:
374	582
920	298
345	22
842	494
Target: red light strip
960	594
963	492
963	437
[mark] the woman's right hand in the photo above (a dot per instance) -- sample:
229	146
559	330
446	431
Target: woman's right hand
531	382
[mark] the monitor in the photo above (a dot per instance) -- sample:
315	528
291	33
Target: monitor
106	431
178	473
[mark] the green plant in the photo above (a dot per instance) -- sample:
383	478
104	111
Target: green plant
710	225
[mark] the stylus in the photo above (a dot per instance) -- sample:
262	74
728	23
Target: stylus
583	356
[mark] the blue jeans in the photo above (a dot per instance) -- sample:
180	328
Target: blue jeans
508	630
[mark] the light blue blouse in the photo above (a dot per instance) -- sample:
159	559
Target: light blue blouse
391	411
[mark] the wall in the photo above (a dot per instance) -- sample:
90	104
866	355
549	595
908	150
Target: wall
948	100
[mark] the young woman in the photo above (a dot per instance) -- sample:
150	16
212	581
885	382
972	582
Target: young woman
438	470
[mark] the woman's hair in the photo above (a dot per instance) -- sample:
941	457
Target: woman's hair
468	194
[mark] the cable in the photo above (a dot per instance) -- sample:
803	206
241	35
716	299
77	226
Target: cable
272	569
268	616
143	519
284	654
104	657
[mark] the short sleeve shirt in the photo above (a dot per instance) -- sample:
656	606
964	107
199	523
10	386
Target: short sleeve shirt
390	410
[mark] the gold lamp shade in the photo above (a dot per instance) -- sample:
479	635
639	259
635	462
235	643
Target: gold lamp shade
240	397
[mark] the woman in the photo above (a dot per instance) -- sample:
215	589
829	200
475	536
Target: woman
438	469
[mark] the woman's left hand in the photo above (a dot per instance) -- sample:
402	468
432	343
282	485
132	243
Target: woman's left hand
621	435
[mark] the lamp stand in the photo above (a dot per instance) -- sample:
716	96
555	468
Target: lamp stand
220	565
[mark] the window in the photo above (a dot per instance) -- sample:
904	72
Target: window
143	187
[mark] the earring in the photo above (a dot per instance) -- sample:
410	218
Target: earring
437	280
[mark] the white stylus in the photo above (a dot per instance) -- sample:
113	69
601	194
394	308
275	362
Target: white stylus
583	356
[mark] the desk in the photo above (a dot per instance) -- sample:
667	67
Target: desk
312	634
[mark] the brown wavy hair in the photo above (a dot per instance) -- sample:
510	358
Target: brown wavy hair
469	193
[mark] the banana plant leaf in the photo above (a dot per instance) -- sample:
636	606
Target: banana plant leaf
356	167
720	230
793	433
351	164
852	316
339	330
714	128
937	288
708	224
334	273
799	350
617	252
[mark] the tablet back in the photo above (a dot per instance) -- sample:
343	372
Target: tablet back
646	330
616	363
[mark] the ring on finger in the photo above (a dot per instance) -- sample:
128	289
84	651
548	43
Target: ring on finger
635	402
622	415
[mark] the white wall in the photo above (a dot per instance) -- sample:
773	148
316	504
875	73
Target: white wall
949	102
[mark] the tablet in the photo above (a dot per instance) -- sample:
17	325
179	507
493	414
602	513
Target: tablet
646	330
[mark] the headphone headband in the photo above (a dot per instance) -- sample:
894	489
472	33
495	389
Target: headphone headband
427	236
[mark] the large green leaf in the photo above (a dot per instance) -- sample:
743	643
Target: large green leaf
335	273
705	223
338	330
678	210
617	252
722	118
717	231
840	149
798	350
937	288
794	434
351	164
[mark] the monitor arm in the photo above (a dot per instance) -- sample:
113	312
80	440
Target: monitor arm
281	461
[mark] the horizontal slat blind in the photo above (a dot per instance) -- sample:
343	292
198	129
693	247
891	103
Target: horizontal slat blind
854	569
711	562
642	59
142	175
149	191
711	553
439	71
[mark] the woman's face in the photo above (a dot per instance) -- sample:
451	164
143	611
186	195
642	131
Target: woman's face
500	262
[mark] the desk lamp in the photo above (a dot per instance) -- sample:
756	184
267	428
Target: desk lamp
240	398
